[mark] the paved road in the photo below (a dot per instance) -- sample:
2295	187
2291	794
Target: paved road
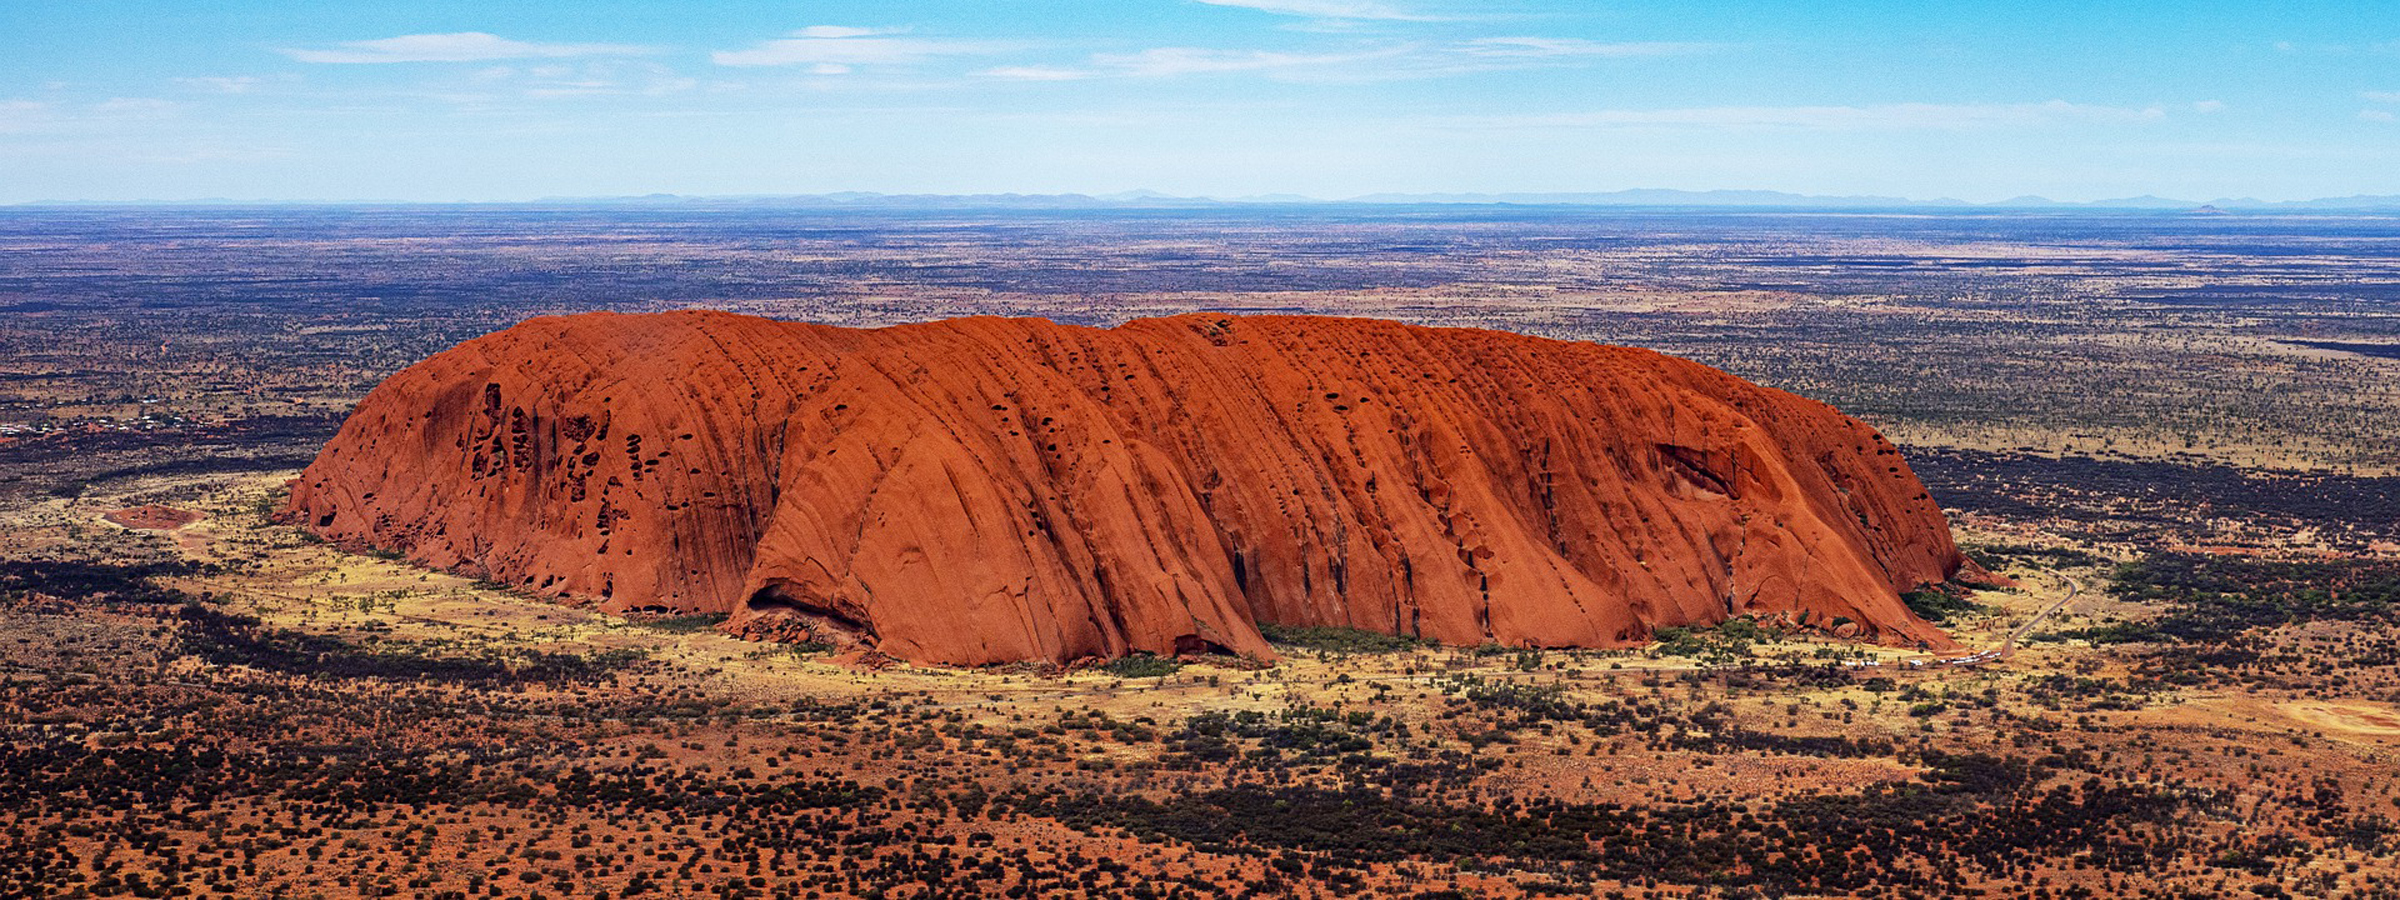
2008	645
2074	587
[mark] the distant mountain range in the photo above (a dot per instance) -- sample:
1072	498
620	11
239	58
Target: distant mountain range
1640	197
1651	197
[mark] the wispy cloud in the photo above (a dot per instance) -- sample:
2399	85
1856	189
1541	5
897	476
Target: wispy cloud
238	84
465	46
35	116
1325	9
594	78
834	49
2380	96
23	115
1162	62
2209	106
133	107
836	31
1547	48
1036	73
1364	63
2377	115
1888	116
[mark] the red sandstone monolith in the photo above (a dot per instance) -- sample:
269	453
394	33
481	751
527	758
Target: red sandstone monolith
989	490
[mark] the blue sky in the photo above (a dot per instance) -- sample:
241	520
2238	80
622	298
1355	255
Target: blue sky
519	99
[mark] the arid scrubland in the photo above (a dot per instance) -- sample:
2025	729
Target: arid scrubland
2173	433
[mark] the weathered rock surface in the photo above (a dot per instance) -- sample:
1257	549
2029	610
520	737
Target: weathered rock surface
987	490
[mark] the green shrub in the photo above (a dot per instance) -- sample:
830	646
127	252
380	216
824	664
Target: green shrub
1938	606
1336	639
1142	666
1724	644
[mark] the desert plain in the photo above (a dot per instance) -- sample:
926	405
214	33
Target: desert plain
2169	434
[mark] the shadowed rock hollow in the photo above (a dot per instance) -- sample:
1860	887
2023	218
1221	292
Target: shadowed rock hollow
988	490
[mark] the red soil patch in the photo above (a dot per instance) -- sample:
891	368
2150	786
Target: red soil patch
154	517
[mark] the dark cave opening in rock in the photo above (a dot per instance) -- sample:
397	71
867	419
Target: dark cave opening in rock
782	611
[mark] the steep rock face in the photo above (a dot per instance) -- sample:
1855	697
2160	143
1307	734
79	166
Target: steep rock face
986	490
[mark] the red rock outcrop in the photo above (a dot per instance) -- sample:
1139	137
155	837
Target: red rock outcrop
988	490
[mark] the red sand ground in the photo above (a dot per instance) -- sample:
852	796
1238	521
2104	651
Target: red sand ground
154	517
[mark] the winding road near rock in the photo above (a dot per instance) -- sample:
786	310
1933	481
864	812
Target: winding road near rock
2008	645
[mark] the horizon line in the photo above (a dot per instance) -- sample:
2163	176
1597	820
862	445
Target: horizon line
1716	198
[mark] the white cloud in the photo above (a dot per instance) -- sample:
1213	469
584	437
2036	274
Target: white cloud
1369	62
576	78
835	45
836	31
133	107
23	115
242	84
27	116
2377	115
1160	62
465	46
1324	9
1541	47
1889	116
2209	106
2380	96
1035	73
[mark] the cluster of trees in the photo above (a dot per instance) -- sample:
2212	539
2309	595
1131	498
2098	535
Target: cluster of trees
2147	501
224	638
84	581
1705	728
1723	644
1983	813
2220	600
1939	606
1335	640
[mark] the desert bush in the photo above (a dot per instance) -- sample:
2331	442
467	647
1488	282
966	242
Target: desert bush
1142	665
